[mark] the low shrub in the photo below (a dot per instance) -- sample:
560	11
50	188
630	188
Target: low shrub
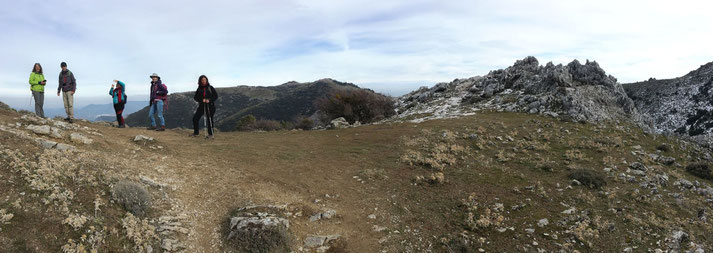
701	170
268	125
246	123
588	178
303	123
132	196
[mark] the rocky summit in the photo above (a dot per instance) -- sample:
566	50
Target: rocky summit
682	105
581	92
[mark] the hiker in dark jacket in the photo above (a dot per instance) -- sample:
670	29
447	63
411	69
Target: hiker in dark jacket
119	96
68	85
206	97
158	94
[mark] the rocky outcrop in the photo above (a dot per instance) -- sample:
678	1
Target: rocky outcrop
581	92
681	105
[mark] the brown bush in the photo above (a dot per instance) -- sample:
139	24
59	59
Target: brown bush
356	105
268	125
303	123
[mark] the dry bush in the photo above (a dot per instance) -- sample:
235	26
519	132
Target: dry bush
140	232
132	196
356	105
303	123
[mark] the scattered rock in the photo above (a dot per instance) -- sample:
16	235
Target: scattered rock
323	215
638	166
258	229
65	147
171	245
41	130
143	138
319	240
47	144
543	222
340	122
80	138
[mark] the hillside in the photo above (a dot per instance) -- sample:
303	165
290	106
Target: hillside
283	102
683	105
491	182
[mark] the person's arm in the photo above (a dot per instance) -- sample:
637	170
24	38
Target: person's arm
74	82
59	83
213	94
197	96
111	91
32	82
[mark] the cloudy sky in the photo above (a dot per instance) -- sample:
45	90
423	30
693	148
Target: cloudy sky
392	46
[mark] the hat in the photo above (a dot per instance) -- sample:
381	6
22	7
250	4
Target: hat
154	75
63	64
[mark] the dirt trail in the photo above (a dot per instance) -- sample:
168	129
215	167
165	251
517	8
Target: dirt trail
307	171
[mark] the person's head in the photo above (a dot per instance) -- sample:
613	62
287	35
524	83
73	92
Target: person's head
37	68
203	80
63	65
155	77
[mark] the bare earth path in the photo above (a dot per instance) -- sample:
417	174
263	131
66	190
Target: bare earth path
307	171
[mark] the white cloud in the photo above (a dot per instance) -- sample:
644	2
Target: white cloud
377	43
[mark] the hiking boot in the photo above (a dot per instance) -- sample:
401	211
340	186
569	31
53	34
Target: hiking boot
67	119
209	137
151	128
70	121
121	126
161	129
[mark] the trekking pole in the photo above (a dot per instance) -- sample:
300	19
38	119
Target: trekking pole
205	119
210	119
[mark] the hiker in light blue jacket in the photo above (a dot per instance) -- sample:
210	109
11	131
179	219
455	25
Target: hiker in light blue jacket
118	93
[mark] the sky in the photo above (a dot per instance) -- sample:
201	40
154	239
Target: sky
391	46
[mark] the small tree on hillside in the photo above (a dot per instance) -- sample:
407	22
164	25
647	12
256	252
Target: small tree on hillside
247	123
356	105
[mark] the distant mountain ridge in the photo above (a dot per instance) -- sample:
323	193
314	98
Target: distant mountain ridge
282	102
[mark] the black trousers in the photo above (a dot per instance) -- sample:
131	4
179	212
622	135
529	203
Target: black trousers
199	113
119	109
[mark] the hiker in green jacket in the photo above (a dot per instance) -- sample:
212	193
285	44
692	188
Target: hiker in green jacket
37	86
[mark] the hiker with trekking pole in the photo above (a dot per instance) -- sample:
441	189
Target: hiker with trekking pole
118	94
206	97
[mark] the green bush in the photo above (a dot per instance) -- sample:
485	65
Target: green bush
354	105
247	123
132	196
588	178
701	170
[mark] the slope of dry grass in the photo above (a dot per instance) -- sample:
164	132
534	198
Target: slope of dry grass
483	182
